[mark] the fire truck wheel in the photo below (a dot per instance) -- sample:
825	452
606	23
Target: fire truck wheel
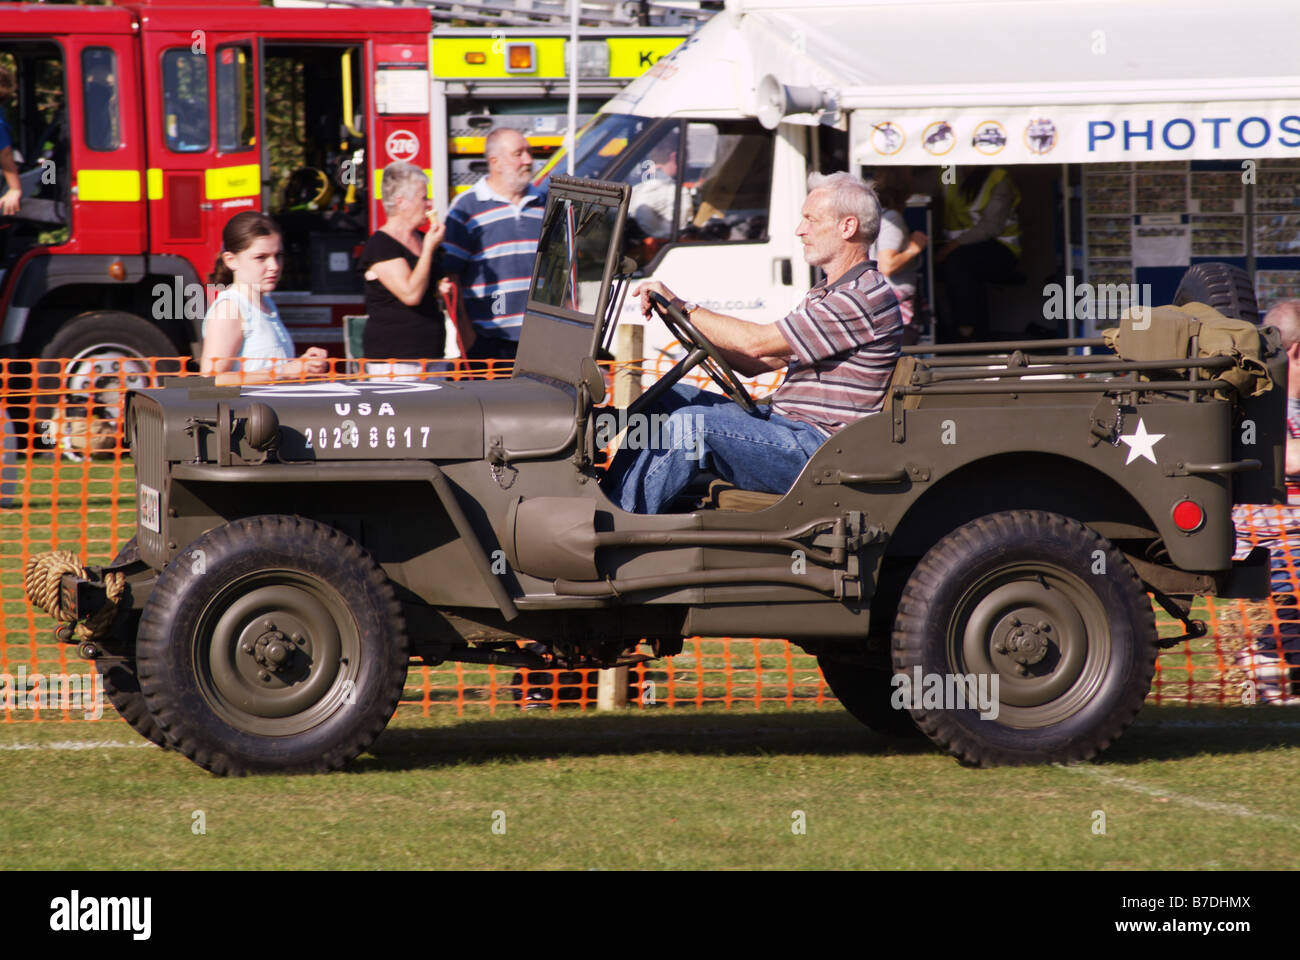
865	692
272	644
100	354
1024	637
121	684
1222	286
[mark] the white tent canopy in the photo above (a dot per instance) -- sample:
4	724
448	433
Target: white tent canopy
1005	81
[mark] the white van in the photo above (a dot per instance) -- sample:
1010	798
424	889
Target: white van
1125	124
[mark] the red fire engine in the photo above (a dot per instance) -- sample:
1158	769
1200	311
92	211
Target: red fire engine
140	129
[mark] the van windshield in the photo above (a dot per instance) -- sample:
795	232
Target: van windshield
601	144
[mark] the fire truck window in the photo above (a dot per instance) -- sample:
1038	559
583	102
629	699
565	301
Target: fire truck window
185	101
235	99
99	90
728	172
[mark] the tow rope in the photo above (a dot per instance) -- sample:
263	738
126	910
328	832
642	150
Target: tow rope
41	583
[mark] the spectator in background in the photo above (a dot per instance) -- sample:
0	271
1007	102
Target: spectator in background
402	267
243	338
896	250
981	235
1285	316
12	196
653	196
492	234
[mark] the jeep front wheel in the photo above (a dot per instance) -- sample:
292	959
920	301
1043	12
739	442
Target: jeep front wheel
1046	609
272	644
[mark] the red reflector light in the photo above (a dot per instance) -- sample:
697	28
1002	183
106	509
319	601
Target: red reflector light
1188	516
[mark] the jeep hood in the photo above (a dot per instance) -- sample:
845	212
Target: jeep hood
371	419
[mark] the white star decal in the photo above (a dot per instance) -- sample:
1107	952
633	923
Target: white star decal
1141	443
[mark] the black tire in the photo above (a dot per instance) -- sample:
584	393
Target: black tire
1015	592
121	684
280	648
865	692
1222	286
83	364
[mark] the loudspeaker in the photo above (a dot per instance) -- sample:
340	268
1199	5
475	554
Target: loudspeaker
776	100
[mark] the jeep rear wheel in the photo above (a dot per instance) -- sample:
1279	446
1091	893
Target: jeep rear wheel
272	644
1050	611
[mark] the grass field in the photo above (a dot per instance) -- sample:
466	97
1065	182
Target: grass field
1198	788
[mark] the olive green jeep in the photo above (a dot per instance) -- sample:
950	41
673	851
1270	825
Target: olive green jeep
973	562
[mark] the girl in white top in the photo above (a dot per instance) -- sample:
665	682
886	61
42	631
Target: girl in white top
243	338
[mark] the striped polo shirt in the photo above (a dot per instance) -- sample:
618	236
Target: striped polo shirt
846	339
491	244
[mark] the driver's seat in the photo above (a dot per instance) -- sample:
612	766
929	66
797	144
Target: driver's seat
728	496
724	495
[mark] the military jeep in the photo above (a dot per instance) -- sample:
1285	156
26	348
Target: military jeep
1004	516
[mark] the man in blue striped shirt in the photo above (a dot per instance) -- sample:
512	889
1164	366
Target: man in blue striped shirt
491	243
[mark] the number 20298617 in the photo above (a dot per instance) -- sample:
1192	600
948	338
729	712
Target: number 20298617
353	437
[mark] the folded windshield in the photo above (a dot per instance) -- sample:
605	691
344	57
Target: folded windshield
571	256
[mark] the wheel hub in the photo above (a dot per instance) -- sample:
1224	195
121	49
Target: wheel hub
275	650
1026	644
1029	633
1041	632
102	374
276	653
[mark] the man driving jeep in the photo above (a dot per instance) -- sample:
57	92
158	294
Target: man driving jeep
840	345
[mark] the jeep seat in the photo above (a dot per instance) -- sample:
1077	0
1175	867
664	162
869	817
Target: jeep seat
727	496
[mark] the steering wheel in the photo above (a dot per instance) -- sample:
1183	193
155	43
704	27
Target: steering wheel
701	352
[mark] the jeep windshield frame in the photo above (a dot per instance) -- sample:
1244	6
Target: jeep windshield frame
579	253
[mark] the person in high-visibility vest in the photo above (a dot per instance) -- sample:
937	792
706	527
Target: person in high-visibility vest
981	245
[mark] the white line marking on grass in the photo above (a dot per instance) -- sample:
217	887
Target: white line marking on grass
1213	806
71	745
1214	725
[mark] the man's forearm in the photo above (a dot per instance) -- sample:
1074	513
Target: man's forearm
748	347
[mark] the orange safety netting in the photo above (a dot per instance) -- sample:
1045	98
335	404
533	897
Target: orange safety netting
67	483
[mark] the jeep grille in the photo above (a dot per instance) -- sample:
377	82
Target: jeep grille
150	475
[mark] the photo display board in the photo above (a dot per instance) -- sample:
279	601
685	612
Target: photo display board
1145	222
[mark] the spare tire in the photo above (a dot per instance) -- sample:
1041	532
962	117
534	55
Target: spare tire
1222	286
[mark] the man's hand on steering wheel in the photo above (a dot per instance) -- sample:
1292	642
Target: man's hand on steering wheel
648	287
700	350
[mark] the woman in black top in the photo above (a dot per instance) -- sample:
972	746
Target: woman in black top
405	322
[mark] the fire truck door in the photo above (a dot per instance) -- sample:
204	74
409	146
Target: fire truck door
203	113
106	146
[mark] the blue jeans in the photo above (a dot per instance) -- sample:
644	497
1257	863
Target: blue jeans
706	431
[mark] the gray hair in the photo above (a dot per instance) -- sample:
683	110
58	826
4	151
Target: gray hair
402	179
492	142
1285	316
850	196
